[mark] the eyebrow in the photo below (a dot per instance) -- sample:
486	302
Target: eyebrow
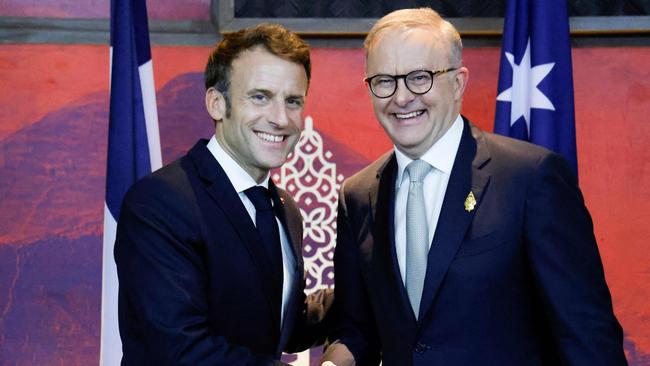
263	91
269	94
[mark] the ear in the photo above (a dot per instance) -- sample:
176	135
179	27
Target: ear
460	82
367	85
215	104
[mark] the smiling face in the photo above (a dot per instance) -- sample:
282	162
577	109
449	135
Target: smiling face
265	121
415	122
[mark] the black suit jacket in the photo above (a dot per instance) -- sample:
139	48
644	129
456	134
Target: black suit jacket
517	280
193	275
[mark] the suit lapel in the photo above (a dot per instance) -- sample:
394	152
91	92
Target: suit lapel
385	266
293	226
466	176
226	198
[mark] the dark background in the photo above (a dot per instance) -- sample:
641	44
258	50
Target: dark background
447	8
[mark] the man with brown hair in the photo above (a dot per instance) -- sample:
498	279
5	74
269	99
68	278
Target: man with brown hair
208	249
459	247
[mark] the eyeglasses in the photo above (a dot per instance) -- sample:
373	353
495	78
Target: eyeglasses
418	82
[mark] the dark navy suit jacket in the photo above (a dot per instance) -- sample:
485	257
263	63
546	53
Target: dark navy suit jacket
517	280
193	275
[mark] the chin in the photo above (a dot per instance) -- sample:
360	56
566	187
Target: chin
273	163
408	140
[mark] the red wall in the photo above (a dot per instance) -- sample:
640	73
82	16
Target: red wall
612	91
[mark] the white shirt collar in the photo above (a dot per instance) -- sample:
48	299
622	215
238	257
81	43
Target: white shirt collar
440	156
239	178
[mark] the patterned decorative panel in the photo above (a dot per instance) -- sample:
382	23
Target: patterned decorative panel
310	176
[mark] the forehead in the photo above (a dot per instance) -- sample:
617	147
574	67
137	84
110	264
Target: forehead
257	68
400	50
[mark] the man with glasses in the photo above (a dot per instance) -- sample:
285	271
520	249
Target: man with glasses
460	247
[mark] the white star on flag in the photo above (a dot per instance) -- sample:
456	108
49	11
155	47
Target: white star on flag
524	94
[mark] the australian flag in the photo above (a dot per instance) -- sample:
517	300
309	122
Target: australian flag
535	92
133	144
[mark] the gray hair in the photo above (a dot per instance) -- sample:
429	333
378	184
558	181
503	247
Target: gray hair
419	18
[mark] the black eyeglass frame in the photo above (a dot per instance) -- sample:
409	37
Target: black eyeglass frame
432	75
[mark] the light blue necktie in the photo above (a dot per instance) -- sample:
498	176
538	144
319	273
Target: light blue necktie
417	233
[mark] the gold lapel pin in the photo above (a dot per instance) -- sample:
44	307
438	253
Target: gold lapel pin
470	202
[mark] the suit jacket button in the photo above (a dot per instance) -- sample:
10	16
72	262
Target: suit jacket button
421	347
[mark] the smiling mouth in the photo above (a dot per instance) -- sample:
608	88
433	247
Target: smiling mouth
270	138
408	115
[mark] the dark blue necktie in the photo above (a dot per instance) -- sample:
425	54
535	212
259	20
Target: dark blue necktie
267	226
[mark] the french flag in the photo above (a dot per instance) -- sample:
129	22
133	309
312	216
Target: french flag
133	145
535	92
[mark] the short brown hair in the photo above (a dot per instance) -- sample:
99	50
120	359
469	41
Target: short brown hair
273	37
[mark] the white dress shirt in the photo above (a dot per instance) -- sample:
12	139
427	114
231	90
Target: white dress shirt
241	180
441	157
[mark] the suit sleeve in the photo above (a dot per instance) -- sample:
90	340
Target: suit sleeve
355	333
314	322
567	268
162	301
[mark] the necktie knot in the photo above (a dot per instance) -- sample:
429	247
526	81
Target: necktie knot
260	198
417	170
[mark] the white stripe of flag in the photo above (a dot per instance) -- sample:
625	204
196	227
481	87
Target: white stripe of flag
133	145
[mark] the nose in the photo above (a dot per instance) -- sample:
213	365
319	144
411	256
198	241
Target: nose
403	96
279	116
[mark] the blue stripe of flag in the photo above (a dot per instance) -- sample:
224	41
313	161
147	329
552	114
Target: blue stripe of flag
128	149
